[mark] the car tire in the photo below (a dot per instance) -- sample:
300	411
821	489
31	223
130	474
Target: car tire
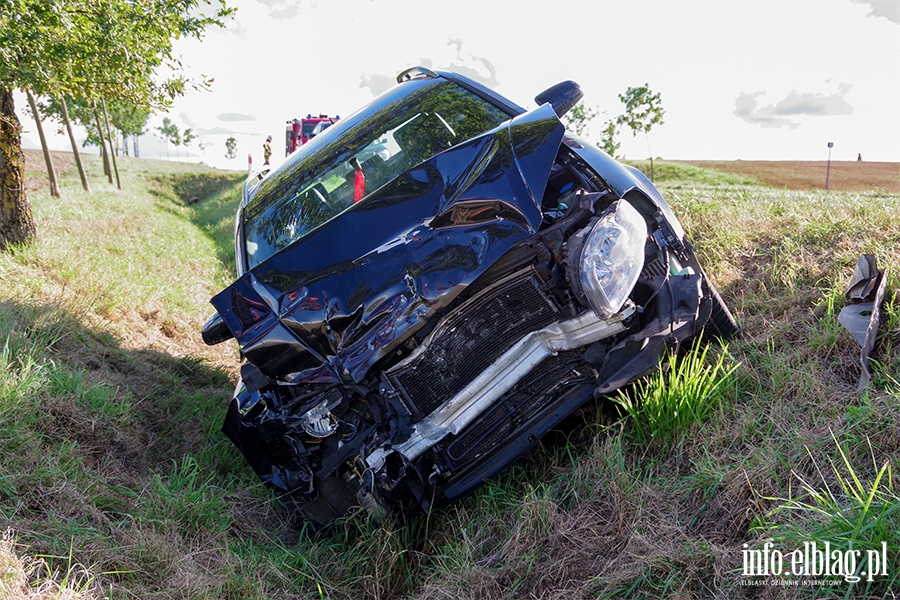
721	322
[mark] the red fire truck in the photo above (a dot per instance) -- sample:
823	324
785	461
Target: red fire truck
300	131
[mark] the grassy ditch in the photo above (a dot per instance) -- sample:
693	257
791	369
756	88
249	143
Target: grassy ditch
116	483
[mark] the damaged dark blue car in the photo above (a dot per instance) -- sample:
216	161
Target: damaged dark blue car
432	284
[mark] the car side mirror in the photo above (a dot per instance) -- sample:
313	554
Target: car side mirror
562	97
215	331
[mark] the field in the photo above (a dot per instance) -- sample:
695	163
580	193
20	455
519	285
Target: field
847	176
115	481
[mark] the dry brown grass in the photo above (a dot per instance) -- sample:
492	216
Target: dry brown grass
848	176
24	577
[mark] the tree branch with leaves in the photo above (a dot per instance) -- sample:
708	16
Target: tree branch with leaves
643	110
578	119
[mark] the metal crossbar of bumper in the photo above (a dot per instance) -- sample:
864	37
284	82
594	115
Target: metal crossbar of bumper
524	356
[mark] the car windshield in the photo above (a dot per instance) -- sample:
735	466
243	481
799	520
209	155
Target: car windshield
358	155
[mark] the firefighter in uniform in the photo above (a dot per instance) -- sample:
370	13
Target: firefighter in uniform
267	150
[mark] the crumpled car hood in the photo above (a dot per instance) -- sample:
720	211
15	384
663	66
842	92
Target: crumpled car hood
329	306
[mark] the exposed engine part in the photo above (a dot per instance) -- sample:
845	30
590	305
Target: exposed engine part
318	421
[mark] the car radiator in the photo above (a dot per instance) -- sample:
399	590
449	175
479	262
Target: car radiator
470	338
554	375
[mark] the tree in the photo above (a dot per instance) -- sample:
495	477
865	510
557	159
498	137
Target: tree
579	118
607	140
64	111
187	138
128	120
109	137
68	125
171	134
89	50
16	221
102	140
231	148
643	110
51	172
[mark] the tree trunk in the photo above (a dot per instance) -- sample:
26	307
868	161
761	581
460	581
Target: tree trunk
51	172
109	137
16	221
81	173
106	170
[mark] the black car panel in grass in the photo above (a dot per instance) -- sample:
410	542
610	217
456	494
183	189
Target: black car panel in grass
432	284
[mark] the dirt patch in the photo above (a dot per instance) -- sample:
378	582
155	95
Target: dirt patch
849	176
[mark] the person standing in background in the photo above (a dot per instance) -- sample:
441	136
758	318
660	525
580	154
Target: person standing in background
267	150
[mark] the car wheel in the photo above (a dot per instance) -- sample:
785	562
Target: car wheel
721	322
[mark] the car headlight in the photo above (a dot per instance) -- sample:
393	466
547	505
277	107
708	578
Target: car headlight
318	421
612	259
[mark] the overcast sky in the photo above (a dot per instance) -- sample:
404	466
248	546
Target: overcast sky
739	79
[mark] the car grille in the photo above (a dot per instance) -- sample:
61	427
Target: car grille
471	338
553	376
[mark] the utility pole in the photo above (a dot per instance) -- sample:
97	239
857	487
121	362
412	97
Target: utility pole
828	170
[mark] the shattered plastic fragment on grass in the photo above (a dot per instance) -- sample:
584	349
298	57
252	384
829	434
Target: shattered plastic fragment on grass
862	318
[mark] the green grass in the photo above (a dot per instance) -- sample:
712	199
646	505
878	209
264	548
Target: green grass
110	409
685	392
848	512
677	175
